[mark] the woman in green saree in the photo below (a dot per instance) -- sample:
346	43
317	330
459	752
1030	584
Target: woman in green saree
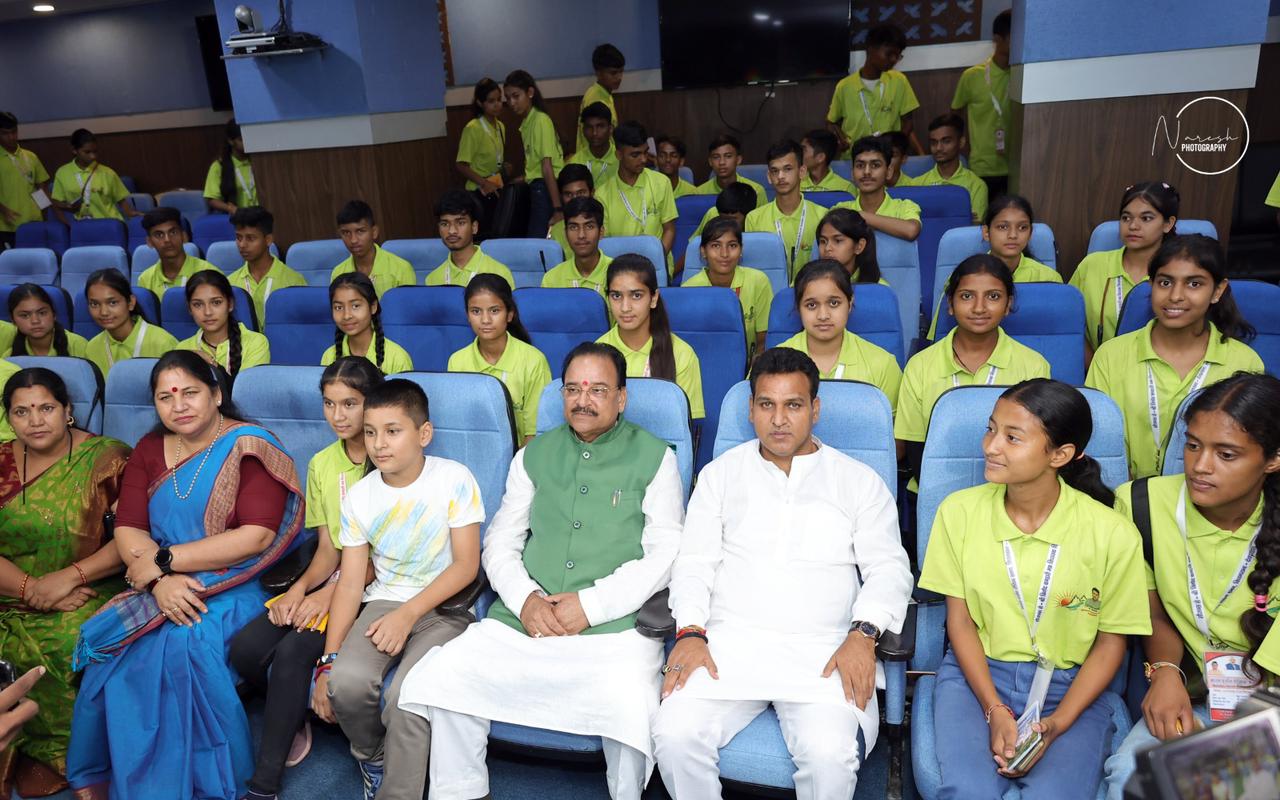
56	484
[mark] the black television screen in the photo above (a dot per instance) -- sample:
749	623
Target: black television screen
731	43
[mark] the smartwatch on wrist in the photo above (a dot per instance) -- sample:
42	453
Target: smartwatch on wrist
326	659
866	629
164	560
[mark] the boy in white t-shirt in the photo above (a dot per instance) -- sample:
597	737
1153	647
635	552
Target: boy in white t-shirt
417	518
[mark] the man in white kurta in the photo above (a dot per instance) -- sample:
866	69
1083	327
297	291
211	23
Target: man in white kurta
588	528
767	597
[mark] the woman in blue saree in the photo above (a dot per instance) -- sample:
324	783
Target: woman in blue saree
207	502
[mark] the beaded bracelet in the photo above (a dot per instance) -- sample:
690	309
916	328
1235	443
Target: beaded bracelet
22	589
999	705
84	579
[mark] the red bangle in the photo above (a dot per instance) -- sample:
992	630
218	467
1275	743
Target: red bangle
84	579
22	589
322	669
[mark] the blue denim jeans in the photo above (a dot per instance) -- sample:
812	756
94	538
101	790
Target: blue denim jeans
1122	763
539	210
1070	769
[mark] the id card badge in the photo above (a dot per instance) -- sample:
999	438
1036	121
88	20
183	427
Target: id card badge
1000	141
1029	739
1039	685
41	199
1227	682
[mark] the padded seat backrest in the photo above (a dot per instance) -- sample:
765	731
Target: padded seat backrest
212	228
189	202
315	260
430	322
53	235
62	304
875	318
226	256
28	265
424	254
1106	236
958	244
130	411
301	326
690	210
528	259
762	251
98	232
177	317
144	256
560	319
900	267
648	246
84	386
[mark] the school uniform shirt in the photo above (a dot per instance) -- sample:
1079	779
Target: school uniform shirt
279	276
1028	271
1102	279
558	235
683	188
521	367
859	360
450	274
97	185
1216	555
638	210
538	133
389	270
254	349
892	207
330	475
710	186
688	370
870	112
153	277
1126	367
1097	584
565	275
20	173
798	230
602	168
394	357
595	94
144	341
831	182
963	176
408	528
7	370
755	293
77	345
983	91
481	147
8	334
246	186
1273	196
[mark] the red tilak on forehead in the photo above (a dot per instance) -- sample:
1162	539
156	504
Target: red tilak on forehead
173	389
585	384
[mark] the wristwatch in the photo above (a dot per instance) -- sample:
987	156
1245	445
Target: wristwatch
326	659
164	560
866	629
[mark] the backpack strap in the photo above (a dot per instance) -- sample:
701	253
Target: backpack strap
1140	505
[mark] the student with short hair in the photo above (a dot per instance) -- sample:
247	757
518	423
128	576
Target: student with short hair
982	94
820	147
543	157
1197	336
220	338
600	155
721	250
357	320
845	237
586	267
126	331
458	213
88	188
899	148
881	210
21	174
482	145
638	200
669	160
502	348
574	181
417	519
229	183
608	63
1148	215
36	329
173	266
793	218
736	200
946	140
1043	584
724	154
877	98
360	233
262	273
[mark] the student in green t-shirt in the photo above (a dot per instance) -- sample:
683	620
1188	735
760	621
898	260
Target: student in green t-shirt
946	140
608	63
877	98
819	147
482	146
669	160
230	184
600	156
882	211
982	95
21	175
543	156
574	182
845	237
724	156
88	188
898	147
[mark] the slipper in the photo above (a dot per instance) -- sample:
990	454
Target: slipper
301	746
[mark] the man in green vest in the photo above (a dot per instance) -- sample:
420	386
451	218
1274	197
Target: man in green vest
588	529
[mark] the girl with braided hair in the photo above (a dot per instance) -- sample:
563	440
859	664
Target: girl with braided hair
357	319
38	331
221	338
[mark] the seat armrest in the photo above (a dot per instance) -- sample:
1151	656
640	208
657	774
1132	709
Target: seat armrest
654	619
460	604
277	578
899	646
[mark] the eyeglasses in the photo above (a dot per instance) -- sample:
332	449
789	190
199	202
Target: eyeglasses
573	391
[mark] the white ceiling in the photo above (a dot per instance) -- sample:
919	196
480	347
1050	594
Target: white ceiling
21	9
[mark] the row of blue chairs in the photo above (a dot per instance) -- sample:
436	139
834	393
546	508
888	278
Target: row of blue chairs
41	264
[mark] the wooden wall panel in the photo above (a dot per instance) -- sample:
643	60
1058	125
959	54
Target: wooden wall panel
1264	112
159	160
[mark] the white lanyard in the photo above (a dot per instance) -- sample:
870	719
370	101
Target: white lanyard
1193	583
248	287
24	168
991	377
1044	667
496	138
137	343
86	185
342	487
249	185
644	207
646	373
838	373
777	226
995	102
604	166
1153	401
866	112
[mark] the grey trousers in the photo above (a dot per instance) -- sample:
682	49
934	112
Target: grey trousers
370	716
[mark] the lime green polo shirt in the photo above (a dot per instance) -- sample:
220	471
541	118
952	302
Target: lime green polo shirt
859	360
279	276
903	179
639	210
394	357
1273	196
566	275
144	341
798	230
521	367
538	133
1119	369
329	472
104	185
450	274
603	168
688	370
1028	271
892	207
8	334
1097	584
389	270
77	345
254	349
974	185
755	293
558	235
246	186
153	276
831	182
481	147
683	188
852	103
1215	554
709	186
21	172
934	370
1096	278
595	94
7	370
982	88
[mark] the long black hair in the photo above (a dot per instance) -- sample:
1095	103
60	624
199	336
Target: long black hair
1206	254
227	186
851	224
1251	401
211	375
1065	415
1010	201
662	358
524	81
28	291
354	372
1161	196
211	277
115	280
499	288
362	284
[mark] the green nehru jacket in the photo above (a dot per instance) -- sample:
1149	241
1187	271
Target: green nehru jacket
586	519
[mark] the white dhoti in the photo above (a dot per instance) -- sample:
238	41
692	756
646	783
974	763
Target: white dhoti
603	685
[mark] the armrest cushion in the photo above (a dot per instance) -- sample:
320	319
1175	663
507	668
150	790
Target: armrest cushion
277	578
654	619
899	646
460	604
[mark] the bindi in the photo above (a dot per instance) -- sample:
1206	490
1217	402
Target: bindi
173	389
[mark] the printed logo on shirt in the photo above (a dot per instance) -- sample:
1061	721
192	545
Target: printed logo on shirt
1090	603
1208	135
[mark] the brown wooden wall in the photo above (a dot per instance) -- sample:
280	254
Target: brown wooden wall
159	160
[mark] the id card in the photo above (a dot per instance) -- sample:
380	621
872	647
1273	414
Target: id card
1029	739
1228	683
1000	141
41	199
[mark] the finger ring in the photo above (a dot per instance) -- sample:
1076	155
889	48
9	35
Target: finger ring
678	667
538	635
665	669
173	610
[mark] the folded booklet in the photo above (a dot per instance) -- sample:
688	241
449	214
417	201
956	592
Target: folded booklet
1029	739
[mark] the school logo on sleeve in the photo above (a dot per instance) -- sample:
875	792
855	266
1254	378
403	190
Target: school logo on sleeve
1090	604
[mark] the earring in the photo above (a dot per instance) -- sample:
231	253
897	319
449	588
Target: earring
71	420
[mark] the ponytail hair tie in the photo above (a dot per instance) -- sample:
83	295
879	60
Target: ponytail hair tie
1260	603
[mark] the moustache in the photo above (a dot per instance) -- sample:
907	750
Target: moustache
584	410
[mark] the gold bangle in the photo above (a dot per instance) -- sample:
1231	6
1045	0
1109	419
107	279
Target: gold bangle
1149	670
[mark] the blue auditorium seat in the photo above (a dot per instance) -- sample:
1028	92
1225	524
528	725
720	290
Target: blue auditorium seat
130	410
690	210
843	167
762	251
424	254
144	255
141	201
560	319
129	183
28	265
941	209
189	202
528	259
900	266
53	235
958	244
314	260
758	173
1107	235
648	246
1173	453
89	232
301	326
430	322
137	236
212	228
875	318
78	263
62	304
84	386
177	317
226	256
828	199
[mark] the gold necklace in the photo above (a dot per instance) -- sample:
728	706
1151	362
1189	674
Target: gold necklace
177	459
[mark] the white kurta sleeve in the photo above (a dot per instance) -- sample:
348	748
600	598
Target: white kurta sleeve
503	553
627	588
693	574
877	547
